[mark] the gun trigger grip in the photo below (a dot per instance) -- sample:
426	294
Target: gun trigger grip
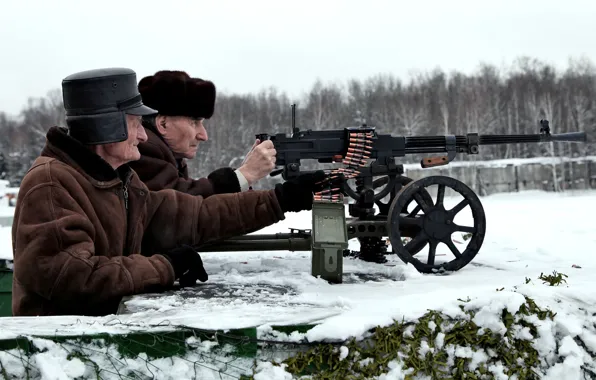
262	136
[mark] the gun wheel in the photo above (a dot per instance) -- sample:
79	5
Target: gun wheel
384	207
400	180
436	224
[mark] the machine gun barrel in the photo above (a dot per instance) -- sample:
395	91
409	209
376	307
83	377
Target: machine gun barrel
453	144
536	138
436	144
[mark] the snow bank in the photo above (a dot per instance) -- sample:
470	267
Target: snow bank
533	327
503	335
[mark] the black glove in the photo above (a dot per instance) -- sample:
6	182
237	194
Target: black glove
297	194
187	264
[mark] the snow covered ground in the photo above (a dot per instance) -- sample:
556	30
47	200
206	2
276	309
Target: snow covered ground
527	234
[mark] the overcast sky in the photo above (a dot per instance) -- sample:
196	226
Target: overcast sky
244	46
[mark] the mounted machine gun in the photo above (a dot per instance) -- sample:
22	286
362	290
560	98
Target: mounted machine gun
363	155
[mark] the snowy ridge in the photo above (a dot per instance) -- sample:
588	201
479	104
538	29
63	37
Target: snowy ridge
561	356
566	345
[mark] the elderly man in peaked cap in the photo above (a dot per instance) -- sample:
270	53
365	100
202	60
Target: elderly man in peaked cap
174	133
83	215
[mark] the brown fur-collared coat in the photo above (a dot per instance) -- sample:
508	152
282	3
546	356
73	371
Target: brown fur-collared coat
79	227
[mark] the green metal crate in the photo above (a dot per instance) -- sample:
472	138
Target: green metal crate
5	288
329	239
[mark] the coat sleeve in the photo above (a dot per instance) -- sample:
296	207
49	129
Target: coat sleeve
159	174
55	256
177	218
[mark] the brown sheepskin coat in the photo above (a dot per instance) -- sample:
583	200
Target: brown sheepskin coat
79	227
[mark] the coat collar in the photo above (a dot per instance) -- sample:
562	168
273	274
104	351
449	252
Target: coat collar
61	146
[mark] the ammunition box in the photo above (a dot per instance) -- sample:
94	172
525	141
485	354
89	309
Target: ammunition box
329	240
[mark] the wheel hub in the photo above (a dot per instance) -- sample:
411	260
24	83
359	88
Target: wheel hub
436	224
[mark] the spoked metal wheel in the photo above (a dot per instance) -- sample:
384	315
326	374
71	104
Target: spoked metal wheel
384	208
402	181
435	224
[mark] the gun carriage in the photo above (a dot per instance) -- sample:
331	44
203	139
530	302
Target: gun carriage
411	219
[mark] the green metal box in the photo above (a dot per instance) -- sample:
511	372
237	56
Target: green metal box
329	240
6	288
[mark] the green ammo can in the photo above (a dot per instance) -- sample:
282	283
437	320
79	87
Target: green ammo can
329	240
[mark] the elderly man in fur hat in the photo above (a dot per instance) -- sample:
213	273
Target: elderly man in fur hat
84	217
174	135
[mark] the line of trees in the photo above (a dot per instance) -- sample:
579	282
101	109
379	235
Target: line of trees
491	100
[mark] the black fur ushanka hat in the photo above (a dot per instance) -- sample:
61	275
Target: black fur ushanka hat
175	93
